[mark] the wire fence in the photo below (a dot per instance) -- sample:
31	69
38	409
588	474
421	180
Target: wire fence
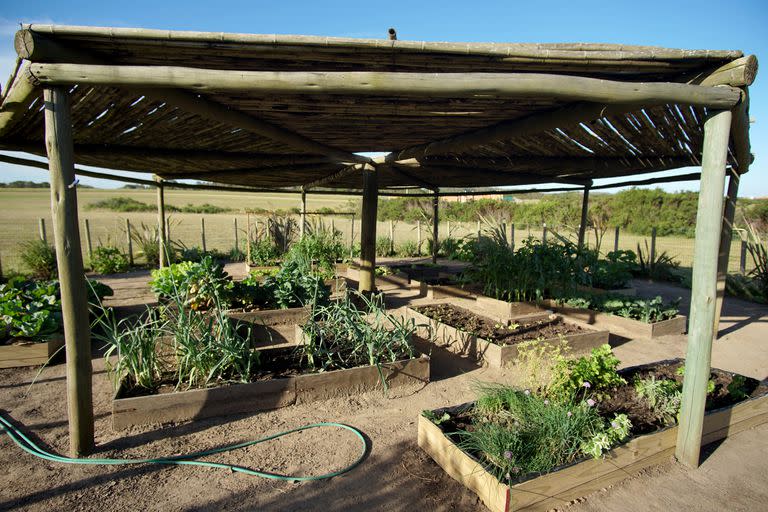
224	232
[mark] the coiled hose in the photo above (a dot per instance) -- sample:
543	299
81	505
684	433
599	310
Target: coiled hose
29	446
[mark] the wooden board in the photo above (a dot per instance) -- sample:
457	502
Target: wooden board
635	328
627	292
463	343
263	395
557	488
29	354
271	327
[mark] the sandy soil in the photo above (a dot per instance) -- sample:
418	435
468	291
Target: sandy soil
396	474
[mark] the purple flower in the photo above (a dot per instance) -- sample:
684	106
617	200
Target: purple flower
515	470
591	402
527	392
508	455
569	414
587	384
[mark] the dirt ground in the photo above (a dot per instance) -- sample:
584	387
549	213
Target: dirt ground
396	475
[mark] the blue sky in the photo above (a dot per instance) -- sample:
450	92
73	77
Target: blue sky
702	24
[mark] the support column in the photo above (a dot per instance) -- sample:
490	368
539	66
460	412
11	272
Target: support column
74	297
726	235
435	225
303	220
584	213
704	290
367	281
162	234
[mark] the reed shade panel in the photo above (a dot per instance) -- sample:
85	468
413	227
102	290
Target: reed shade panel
453	115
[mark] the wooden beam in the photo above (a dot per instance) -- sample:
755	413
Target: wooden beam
377	83
37	47
415	180
703	294
162	234
69	259
435	226
17	99
740	134
736	73
334	176
584	217
367	278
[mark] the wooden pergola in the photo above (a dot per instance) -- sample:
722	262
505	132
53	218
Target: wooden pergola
294	113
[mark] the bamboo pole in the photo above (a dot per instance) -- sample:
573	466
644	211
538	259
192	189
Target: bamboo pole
162	227
385	83
41	226
726	237
435	225
202	233
88	239
367	281
704	290
129	240
584	216
74	299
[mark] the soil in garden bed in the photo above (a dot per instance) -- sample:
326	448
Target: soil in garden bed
496	332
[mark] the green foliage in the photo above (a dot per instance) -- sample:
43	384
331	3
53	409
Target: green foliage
594	376
146	238
660	268
737	389
30	310
384	246
128	204
264	252
295	284
602	441
613	272
322	246
202	285
408	249
39	258
663	397
434	418
109	260
645	310
355	331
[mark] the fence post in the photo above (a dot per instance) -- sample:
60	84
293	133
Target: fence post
447	229
167	230
616	239
202	232
352	236
333	227
743	258
512	236
478	230
418	237
653	247
130	242
247	241
88	239
544	234
43	237
391	237
237	246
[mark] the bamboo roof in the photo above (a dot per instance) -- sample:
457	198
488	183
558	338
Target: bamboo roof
425	103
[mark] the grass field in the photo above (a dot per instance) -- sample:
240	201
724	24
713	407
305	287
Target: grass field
21	209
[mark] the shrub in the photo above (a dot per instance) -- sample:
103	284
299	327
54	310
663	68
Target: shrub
322	246
408	249
39	258
575	379
264	252
383	246
109	260
121	204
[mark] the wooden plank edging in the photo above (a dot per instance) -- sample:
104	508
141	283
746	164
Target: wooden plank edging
29	354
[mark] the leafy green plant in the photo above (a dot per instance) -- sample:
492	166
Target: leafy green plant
663	396
39	258
296	284
661	268
594	376
645	310
408	249
30	310
321	246
202	284
737	389
146	238
384	246
263	252
109	260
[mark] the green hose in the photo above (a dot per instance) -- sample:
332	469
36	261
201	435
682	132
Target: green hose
29	446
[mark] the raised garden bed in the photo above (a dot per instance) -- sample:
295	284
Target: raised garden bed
464	332
271	327
672	326
628	292
279	386
561	485
16	353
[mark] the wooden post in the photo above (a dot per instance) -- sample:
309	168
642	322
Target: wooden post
74	297
352	236
202	233
43	236
391	237
743	258
726	237
161	223
418	237
616	239
303	220
129	240
448	229
704	290
88	239
237	246
512	236
435	225
584	213
247	242
544	234
367	282
653	247
333	227
479	231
